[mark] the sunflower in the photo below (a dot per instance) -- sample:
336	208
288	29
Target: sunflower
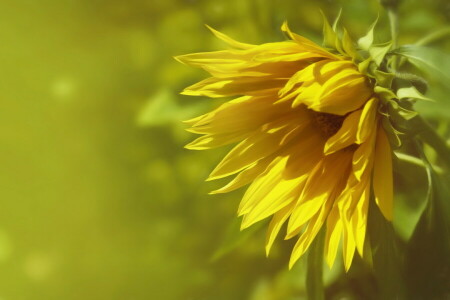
310	142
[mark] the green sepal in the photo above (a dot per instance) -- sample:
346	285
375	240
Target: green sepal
366	41
336	21
385	94
399	115
384	79
330	37
348	46
411	93
393	134
364	67
379	51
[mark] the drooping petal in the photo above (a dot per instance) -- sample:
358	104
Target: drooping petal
348	246
320	187
382	175
311	231
359	219
363	157
229	40
211	141
307	44
277	221
346	135
244	113
305	146
246	176
333	235
367	121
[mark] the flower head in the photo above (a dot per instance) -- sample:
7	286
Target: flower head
309	138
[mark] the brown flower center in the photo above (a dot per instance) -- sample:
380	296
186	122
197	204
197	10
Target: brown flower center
328	124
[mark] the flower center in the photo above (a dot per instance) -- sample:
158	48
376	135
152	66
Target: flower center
328	124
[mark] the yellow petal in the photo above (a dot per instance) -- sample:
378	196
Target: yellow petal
268	202
262	143
382	175
242	114
314	76
342	96
305	146
269	192
288	57
238	86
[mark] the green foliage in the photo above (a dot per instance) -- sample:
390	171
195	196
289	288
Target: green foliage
435	63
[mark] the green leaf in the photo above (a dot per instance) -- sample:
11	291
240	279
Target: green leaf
314	277
433	62
439	110
411	92
366	41
386	255
427	256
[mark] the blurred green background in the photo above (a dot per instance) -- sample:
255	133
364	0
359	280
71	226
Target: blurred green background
99	200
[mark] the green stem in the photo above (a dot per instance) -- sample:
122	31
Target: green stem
393	20
428	135
314	276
